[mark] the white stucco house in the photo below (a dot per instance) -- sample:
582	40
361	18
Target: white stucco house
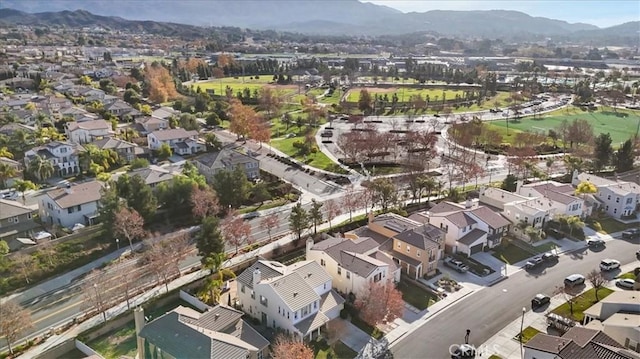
562	196
353	263
181	141
77	203
64	156
88	131
619	199
296	299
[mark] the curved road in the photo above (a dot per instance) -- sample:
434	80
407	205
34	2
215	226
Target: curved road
486	312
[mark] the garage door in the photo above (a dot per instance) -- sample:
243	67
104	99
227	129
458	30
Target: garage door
476	249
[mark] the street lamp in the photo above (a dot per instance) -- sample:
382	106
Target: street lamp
118	243
524	310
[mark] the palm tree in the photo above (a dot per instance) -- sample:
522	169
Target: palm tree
574	222
212	288
6	171
130	133
4	152
430	184
41	168
23	186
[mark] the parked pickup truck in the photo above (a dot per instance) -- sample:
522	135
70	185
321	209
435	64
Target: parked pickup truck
456	264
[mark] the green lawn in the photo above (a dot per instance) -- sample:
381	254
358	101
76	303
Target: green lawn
322	350
582	302
603	121
416	296
117	344
527	334
317	160
628	275
494	356
405	93
240	83
610	225
543	248
510	253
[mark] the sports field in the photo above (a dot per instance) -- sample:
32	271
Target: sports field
240	83
620	125
404	94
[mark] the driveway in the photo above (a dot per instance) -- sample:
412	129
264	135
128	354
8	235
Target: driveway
349	334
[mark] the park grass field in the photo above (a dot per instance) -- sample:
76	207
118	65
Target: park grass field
603	121
404	94
240	83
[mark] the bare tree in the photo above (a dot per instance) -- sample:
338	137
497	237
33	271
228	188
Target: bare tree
14	320
127	282
380	302
235	230
287	348
129	224
351	201
98	291
204	202
269	222
25	265
568	294
179	246
159	259
333	209
597	281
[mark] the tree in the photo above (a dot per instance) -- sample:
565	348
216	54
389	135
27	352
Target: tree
351	200
364	101
129	224
299	220
270	100
288	348
270	222
232	187
597	280
138	194
235	230
583	188
6	172
139	163
97	291
212	142
40	168
384	192
242	117
624	157
209	239
216	278
509	183
14	321
204	202
158	257
315	214
333	209
25	265
164	152
568	294
4	248
379	302
4	152
260	192
602	151
160	84
128	281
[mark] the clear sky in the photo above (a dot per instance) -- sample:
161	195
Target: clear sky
600	13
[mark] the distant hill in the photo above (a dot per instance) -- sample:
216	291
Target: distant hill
344	17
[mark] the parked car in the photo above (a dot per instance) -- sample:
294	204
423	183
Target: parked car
574	280
552	232
456	264
533	262
550	257
626	283
539	300
595	242
631	233
12	196
638	254
464	351
251	215
609	264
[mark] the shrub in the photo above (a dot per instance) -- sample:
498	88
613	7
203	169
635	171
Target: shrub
344	314
596	226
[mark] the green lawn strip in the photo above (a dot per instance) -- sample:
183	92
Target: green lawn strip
262	207
628	275
510	253
405	93
527	334
610	225
322	350
114	345
546	247
317	160
582	302
415	296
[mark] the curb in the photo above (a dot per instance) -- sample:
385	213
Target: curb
504	277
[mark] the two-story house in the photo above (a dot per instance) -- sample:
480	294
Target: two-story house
353	262
618	316
562	196
76	203
469	229
577	342
219	333
88	131
296	299
619	199
534	212
227	159
120	109
64	156
148	124
416	247
16	220
152	175
181	141
165	112
126	150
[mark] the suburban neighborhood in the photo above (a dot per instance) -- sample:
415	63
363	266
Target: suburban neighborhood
180	190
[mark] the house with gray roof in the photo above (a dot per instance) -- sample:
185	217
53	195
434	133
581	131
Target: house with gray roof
152	175
577	343
64	156
469	228
562	196
353	262
126	151
296	299
77	203
181	141
219	333
227	159
619	199
16	220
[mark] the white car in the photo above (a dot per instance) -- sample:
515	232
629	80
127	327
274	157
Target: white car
609	264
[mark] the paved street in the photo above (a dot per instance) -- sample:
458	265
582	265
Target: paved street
487	311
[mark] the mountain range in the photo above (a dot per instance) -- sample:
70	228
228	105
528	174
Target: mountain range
350	17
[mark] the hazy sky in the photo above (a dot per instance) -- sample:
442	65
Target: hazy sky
599	13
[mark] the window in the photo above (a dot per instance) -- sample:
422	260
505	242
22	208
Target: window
253	295
339	271
418	253
295	315
608	197
629	200
242	288
323	263
348	275
408	249
615	210
617	199
29	216
400	245
315	305
264	301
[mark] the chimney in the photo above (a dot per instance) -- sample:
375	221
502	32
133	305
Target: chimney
68	189
309	244
138	317
257	276
519	183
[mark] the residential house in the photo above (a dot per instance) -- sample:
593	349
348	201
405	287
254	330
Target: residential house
76	203
577	342
353	263
121	109
181	141
78	114
152	175
562	196
17	166
16	220
164	113
518	209
619	199
416	247
125	150
88	131
469	229
219	333
11	128
296	299
618	316
148	124
64	156
227	159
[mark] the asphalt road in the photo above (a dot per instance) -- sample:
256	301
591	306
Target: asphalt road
486	312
